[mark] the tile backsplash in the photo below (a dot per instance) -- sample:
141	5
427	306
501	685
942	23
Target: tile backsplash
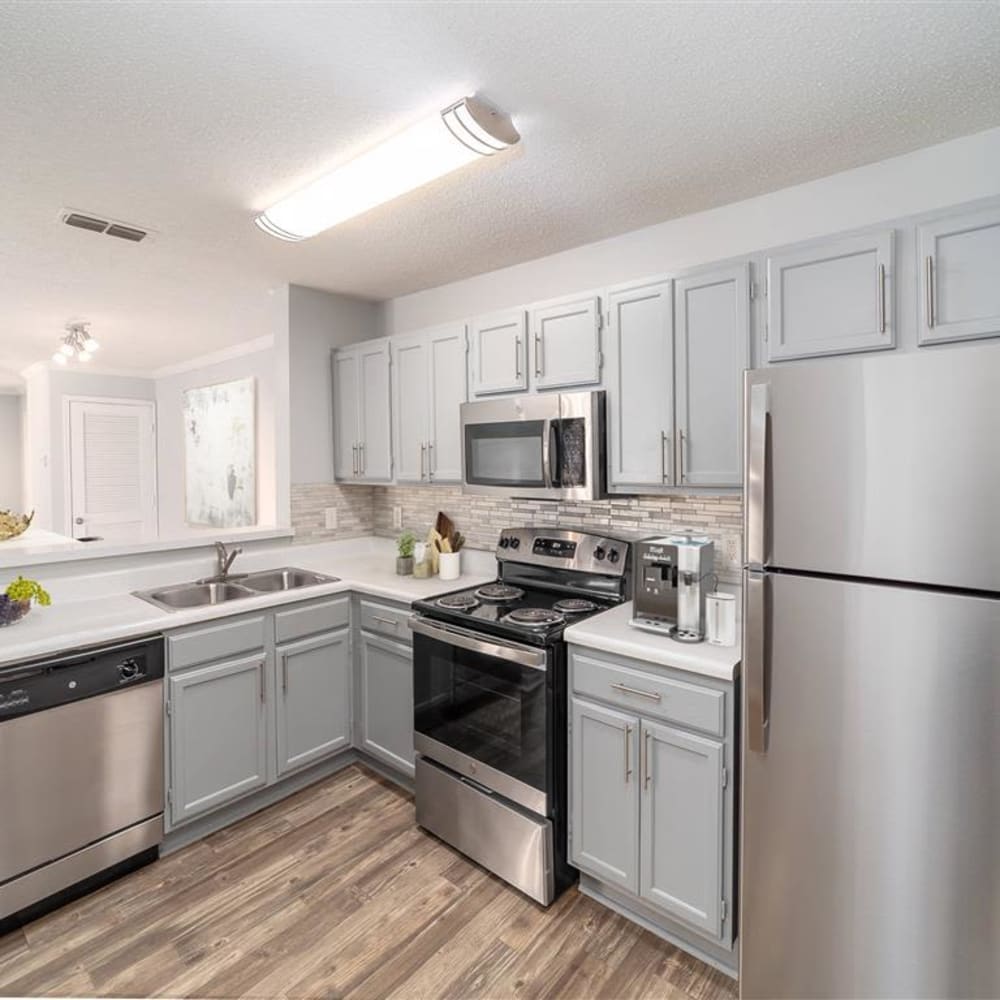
365	510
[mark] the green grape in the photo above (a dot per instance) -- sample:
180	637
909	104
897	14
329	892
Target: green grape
26	590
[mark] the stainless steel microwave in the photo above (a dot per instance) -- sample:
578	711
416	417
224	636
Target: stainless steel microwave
548	446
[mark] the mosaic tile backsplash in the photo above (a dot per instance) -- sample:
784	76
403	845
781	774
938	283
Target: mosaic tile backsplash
363	510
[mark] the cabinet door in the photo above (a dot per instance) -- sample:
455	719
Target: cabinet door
566	343
410	407
374	411
218	735
448	381
640	385
604	794
833	298
345	413
681	833
712	330
387	701
313	698
960	277
499	353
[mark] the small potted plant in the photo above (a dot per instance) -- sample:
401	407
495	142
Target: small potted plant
16	602
404	561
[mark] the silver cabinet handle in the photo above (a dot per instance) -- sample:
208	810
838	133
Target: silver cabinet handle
645	759
284	674
517	357
929	290
756	474
665	464
263	692
386	621
430	461
361	458
755	653
880	301
538	355
651	695
681	474
423	452
354	459
628	753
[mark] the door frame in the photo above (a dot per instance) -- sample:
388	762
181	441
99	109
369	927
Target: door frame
67	452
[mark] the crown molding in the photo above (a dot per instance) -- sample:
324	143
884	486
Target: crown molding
215	357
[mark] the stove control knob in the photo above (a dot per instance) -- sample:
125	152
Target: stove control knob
599	553
614	555
515	543
504	542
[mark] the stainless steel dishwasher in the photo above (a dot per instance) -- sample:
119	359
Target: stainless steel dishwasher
81	769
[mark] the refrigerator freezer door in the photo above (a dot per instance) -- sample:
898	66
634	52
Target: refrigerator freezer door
878	467
871	817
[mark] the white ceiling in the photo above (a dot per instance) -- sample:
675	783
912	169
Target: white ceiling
188	118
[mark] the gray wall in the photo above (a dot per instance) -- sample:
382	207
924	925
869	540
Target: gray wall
318	322
11	452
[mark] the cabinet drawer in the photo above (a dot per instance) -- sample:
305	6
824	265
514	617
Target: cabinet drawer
217	641
309	619
650	695
385	620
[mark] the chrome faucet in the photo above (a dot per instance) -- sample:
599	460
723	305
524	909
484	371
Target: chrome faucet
224	560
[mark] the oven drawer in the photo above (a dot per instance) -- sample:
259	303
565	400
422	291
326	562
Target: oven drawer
649	694
385	620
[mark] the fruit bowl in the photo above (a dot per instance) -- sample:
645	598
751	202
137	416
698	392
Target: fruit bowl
12	611
12	525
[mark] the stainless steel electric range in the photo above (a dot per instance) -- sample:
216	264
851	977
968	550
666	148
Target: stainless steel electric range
489	691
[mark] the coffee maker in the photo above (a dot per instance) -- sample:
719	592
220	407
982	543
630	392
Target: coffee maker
672	575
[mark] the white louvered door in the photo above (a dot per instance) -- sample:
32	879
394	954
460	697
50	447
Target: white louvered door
112	470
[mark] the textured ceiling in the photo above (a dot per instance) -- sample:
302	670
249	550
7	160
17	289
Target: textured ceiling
188	118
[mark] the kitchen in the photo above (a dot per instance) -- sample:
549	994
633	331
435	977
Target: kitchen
575	575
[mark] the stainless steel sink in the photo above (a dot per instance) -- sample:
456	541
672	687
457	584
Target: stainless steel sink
287	578
203	593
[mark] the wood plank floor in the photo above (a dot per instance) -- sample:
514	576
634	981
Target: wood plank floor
335	892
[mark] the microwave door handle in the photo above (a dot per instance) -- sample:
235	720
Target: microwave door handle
547	454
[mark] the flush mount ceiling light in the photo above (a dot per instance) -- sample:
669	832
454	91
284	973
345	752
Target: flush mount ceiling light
76	343
430	148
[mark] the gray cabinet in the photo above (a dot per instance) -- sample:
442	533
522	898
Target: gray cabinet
639	379
313	698
833	297
604	835
566	343
681	825
959	259
498	353
386	701
218	734
712	338
361	410
429	376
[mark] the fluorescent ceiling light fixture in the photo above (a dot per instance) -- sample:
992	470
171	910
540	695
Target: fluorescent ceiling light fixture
430	148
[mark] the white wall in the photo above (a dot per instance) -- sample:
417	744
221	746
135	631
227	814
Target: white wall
259	365
318	322
11	451
962	170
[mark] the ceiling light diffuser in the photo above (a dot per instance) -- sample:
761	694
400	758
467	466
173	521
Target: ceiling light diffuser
430	148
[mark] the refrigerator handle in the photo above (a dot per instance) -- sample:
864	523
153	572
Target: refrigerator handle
755	660
757	458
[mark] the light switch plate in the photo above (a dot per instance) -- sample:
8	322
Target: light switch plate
331	518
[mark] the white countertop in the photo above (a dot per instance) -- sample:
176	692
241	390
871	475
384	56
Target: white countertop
610	632
69	624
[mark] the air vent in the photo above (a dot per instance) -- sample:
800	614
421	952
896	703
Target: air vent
80	220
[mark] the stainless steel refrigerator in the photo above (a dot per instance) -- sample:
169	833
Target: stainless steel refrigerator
870	840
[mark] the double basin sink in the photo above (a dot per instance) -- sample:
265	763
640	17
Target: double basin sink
237	587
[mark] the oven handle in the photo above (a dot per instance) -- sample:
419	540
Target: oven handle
451	635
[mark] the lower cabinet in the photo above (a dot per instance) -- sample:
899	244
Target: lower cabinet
218	734
313	698
386	681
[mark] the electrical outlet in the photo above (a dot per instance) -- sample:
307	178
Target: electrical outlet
731	550
397	517
331	518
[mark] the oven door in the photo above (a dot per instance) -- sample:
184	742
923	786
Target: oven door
482	708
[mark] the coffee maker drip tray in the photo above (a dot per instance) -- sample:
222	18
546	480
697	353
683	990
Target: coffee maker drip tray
666	628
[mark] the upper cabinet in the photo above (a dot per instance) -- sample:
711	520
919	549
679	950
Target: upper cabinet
640	384
833	297
959	260
712	346
566	343
361	408
428	387
499	353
